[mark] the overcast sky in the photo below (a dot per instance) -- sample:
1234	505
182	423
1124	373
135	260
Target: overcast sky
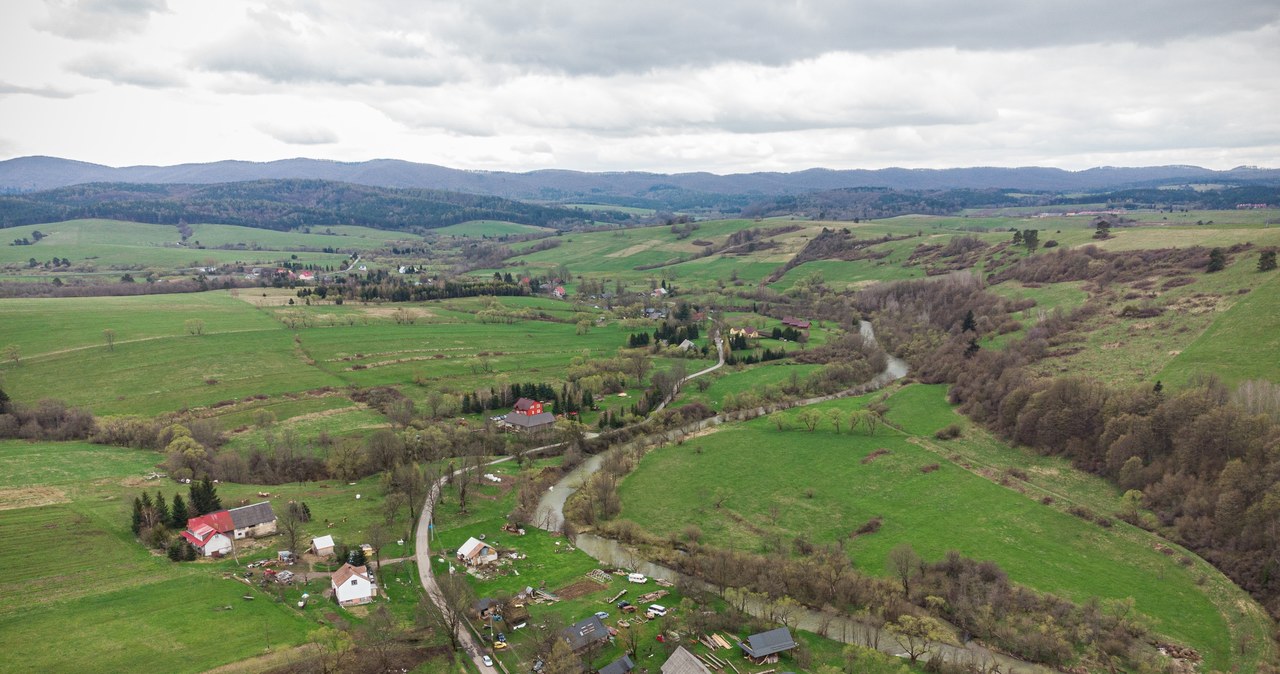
659	85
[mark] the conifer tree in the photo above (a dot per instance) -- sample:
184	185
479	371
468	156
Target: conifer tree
178	515
137	516
162	510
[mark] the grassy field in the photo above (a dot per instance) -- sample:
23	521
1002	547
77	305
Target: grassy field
1237	344
104	245
489	228
950	508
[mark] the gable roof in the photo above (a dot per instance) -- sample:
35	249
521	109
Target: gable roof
252	515
620	666
219	520
684	662
347	572
472	548
524	405
768	643
585	632
531	420
325	541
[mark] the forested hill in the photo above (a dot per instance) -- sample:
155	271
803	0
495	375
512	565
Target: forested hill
275	204
634	188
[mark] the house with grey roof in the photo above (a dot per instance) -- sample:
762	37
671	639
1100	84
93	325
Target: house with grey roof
762	645
684	662
528	423
622	665
253	520
585	633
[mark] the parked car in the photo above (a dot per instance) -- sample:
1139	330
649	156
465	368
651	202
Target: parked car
488	661
603	615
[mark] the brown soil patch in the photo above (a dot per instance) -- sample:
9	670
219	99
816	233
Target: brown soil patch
581	588
30	497
874	455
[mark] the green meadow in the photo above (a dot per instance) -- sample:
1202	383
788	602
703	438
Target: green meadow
483	228
948	508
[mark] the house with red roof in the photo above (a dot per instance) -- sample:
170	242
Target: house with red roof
797	323
208	533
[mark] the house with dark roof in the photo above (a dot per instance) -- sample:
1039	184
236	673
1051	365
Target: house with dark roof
527	407
622	665
684	662
584	633
797	323
253	520
762	645
529	423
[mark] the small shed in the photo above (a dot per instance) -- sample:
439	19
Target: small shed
323	545
476	551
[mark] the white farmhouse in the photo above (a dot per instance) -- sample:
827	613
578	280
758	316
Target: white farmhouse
353	585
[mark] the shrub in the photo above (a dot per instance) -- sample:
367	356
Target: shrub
950	432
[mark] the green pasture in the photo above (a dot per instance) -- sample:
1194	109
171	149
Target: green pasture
101	245
1124	350
729	381
949	508
344	238
490	228
1242	343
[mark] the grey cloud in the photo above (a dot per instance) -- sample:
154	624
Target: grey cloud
120	71
290	62
43	92
570	36
98	19
299	135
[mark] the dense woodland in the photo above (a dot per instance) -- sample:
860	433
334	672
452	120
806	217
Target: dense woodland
276	204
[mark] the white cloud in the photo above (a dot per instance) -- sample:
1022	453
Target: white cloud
122	70
98	19
300	134
44	92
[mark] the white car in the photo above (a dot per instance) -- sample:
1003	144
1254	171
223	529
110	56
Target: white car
488	661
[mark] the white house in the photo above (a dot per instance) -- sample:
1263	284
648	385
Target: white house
323	545
352	585
203	533
475	551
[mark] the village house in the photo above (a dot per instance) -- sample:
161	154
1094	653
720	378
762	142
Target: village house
797	323
585	633
527	415
353	585
476	551
766	645
558	292
622	665
208	533
253	520
212	534
684	662
746	331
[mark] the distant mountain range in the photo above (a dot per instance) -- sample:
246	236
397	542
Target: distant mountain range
656	190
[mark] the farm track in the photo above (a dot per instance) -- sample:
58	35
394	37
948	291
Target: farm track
73	349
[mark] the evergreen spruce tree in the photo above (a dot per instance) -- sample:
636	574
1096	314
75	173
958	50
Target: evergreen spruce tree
306	512
357	557
969	324
188	552
162	510
137	516
175	551
178	513
1217	261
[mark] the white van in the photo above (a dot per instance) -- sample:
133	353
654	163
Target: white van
637	578
658	609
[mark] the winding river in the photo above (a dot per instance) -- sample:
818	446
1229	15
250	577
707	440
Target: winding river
550	516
